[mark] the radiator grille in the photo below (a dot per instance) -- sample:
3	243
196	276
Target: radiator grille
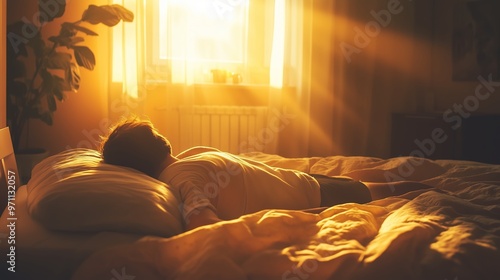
229	128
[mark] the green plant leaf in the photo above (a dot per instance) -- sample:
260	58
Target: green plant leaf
75	27
55	39
46	117
109	15
34	95
66	41
59	87
123	13
48	82
58	60
84	57
67	30
73	77
42	107
51	102
66	86
74	40
49	10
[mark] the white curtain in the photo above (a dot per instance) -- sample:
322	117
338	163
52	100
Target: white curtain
180	46
128	87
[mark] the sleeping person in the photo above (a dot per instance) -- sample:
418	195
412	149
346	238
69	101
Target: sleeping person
215	185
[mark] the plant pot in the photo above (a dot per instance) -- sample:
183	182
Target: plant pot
219	75
27	159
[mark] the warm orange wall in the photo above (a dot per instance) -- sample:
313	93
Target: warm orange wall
83	115
3	21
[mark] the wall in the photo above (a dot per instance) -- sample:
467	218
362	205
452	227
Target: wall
83	115
445	91
379	77
3	22
406	67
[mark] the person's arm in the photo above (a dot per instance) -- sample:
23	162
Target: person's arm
196	150
197	209
201	217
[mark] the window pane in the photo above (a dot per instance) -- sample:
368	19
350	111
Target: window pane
200	30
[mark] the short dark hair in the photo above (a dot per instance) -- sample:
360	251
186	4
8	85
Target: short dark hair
137	144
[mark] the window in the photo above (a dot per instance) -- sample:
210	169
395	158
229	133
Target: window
190	40
207	31
194	41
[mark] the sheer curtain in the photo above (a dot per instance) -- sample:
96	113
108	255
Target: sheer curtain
128	87
182	46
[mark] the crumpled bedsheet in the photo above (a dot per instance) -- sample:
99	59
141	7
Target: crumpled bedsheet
450	232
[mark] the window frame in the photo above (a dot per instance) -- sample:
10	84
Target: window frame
257	40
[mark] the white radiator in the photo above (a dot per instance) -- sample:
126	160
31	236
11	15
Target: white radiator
234	129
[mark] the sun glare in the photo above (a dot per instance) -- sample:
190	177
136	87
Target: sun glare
125	50
117	54
163	11
277	54
185	40
199	30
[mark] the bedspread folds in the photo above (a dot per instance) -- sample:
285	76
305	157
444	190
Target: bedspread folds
452	232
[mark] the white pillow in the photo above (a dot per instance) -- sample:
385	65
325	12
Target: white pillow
75	191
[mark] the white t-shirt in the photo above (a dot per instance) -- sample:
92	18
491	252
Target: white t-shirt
233	186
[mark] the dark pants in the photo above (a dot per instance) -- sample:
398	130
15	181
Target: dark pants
338	190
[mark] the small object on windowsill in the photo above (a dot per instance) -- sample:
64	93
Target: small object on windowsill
219	76
237	78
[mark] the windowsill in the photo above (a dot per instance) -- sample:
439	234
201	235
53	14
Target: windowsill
232	85
208	84
221	86
216	93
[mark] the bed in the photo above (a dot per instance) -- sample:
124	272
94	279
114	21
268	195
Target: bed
450	232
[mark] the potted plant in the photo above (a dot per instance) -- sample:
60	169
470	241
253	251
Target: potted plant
42	70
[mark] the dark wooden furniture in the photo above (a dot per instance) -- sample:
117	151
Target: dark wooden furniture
434	136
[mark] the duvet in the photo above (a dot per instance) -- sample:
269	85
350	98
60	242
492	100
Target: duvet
450	232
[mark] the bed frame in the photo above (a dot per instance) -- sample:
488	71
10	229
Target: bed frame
8	170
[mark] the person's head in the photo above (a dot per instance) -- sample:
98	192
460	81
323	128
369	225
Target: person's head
137	144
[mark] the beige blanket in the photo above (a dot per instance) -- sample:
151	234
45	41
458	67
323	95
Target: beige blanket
452	233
